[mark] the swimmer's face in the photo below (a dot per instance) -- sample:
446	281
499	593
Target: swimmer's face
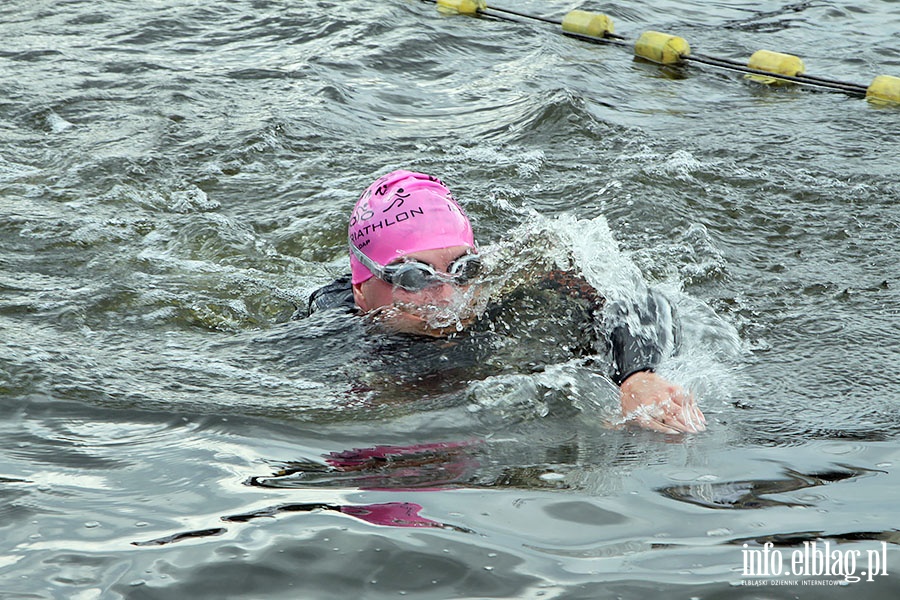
436	310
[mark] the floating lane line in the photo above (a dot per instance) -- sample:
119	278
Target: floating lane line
765	66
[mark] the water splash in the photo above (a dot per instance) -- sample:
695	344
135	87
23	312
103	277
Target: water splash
700	355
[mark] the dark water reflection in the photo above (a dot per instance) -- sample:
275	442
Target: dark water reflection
210	493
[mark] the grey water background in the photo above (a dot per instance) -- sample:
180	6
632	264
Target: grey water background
175	178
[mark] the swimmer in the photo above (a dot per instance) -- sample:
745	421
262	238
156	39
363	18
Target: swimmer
415	266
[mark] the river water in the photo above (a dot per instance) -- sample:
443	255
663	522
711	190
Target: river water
175	179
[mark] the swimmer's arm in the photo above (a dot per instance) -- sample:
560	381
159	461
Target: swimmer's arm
640	334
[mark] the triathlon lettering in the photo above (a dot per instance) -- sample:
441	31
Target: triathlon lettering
385	223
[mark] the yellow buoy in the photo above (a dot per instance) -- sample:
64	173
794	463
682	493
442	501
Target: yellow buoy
776	63
884	89
661	47
462	7
587	23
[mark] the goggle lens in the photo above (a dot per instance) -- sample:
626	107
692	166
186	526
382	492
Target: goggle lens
466	267
412	276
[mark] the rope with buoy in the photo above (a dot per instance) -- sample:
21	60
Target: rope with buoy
764	66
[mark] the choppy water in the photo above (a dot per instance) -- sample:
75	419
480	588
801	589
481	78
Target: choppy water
175	178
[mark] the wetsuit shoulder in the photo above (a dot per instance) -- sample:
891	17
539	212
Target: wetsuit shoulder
337	294
573	286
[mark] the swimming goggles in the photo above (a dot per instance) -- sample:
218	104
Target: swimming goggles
414	276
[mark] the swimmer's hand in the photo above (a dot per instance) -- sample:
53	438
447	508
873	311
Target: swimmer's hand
656	403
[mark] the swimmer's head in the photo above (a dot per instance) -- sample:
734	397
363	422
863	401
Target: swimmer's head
413	255
401	213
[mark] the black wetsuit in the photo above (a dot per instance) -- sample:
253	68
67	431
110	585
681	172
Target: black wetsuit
551	321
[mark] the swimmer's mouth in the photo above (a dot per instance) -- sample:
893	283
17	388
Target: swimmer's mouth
426	320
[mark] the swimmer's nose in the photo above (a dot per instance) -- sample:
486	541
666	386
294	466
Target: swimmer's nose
439	294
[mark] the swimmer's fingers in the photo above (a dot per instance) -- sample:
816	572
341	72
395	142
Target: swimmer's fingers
691	417
692	421
687	414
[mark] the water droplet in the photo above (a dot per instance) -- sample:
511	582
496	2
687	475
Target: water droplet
92	524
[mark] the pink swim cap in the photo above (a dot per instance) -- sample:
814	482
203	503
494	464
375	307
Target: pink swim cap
405	212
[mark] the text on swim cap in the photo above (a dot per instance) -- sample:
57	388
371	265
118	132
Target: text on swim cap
365	230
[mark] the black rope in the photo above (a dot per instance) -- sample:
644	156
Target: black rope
855	87
525	15
615	41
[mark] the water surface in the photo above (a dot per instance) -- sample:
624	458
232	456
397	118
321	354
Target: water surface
175	179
